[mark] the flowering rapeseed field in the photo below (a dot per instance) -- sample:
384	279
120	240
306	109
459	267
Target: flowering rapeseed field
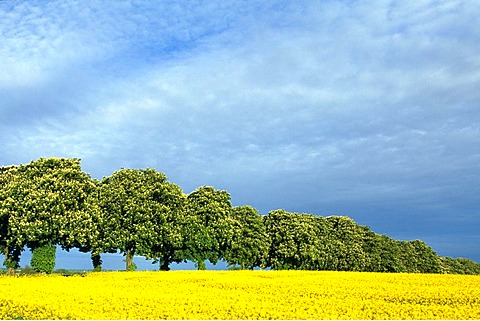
240	295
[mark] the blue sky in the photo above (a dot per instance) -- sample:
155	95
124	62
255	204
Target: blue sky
365	109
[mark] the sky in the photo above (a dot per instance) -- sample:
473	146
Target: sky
369	109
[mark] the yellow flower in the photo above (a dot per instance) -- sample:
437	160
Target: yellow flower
240	295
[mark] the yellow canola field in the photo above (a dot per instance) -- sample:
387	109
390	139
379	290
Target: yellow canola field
240	295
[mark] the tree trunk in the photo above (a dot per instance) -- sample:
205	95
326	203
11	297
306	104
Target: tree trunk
96	262
201	265
128	260
10	270
164	265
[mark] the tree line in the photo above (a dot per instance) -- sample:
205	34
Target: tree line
52	202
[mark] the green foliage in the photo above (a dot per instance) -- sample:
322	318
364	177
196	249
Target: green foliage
308	242
200	265
44	203
100	238
10	264
128	203
208	230
27	269
51	202
43	258
96	262
383	253
132	267
347	239
234	267
12	259
459	266
249	243
417	257
8	175
169	221
297	241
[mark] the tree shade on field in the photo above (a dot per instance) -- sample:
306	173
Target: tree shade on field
51	202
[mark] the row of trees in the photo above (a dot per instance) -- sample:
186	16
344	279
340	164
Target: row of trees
51	202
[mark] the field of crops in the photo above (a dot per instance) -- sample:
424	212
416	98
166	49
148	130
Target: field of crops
240	295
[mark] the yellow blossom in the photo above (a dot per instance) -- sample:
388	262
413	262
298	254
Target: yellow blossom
240	295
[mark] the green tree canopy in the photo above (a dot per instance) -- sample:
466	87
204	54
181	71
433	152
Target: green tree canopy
297	241
249	244
348	243
51	202
168	243
383	253
458	266
128	201
7	245
208	228
46	204
418	257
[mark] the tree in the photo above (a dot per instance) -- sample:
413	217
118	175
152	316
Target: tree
46	202
459	266
7	244
383	253
348	238
418	257
101	236
128	203
208	228
249	244
43	258
297	241
168	242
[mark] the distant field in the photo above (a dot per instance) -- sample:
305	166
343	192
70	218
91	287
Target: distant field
240	295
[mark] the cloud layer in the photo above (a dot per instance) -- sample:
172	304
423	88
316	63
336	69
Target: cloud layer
362	109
